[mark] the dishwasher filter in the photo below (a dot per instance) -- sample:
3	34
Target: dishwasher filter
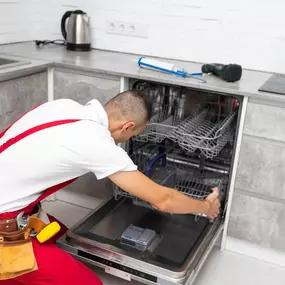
138	238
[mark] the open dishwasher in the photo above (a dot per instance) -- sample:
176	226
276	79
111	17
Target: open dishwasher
187	145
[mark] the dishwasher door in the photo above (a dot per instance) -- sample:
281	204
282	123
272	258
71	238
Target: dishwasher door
175	258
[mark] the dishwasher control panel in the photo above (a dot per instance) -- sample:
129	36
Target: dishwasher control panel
138	238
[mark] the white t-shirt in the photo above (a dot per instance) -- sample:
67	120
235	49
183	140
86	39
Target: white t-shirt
57	154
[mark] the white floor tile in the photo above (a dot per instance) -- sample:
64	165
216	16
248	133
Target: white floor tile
230	268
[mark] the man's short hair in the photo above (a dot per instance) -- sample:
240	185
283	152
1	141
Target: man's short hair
130	105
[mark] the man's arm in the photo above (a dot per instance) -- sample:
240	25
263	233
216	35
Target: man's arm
163	198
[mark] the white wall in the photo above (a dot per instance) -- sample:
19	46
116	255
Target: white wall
16	21
249	32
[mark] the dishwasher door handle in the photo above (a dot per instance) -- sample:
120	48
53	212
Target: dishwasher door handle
160	156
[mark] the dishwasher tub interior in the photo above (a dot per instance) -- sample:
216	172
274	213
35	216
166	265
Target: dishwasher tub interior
187	145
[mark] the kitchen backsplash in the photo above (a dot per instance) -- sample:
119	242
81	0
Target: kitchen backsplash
16	21
251	32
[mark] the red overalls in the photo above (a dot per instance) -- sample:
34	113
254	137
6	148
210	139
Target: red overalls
55	266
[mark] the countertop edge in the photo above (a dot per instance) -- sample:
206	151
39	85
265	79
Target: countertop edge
189	84
125	66
21	71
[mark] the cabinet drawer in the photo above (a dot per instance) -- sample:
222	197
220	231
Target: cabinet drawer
265	121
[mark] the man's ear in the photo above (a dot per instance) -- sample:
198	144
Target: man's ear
129	125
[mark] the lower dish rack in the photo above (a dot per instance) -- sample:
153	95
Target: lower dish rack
190	182
195	187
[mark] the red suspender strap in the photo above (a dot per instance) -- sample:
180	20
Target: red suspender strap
33	130
3	133
52	189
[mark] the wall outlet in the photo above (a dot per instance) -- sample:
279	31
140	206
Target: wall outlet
127	29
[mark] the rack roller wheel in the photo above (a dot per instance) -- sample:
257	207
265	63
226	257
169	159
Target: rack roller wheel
48	232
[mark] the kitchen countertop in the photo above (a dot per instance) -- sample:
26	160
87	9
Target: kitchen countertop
123	64
25	67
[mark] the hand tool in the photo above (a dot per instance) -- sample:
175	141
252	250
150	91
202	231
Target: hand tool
228	72
22	221
41	230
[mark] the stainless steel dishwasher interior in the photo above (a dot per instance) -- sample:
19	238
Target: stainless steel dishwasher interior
188	145
9	63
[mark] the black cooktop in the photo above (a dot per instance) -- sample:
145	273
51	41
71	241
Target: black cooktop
275	84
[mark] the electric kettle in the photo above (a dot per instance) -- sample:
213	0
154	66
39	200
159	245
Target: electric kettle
77	31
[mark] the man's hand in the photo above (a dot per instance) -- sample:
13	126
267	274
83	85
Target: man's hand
213	204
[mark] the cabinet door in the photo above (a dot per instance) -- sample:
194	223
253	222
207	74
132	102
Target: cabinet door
261	168
83	88
258	221
258	206
20	95
265	121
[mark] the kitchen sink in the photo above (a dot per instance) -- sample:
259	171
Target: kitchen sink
8	63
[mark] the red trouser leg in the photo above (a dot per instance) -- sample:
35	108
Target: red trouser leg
56	267
9	282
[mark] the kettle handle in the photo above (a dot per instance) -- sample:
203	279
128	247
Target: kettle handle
63	20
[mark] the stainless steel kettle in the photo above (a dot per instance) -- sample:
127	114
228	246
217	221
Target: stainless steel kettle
77	31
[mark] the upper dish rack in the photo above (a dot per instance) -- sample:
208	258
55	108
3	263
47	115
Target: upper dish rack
204	131
209	135
161	126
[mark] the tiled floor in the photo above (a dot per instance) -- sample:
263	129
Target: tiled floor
234	269
220	269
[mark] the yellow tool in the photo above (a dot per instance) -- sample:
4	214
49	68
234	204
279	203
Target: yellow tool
43	231
48	232
36	227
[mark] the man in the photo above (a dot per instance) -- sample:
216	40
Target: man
61	140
